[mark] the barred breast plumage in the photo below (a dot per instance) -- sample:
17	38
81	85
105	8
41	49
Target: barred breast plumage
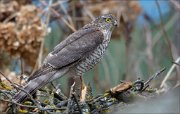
93	58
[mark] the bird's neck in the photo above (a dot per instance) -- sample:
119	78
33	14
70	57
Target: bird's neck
107	35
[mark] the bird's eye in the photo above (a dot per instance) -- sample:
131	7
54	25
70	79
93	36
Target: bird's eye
108	20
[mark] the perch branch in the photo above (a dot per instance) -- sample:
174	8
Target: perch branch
169	72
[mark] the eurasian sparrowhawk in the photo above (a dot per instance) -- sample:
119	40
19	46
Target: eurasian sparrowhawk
78	53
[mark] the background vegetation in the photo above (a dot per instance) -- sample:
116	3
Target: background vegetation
146	39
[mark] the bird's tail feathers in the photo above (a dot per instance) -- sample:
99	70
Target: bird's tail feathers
33	86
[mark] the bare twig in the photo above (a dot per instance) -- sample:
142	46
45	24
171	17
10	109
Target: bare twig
89	13
169	72
5	77
22	71
168	25
42	43
176	4
29	95
19	88
66	13
40	55
10	17
57	91
164	31
13	102
148	35
69	100
28	106
176	63
12	83
63	19
6	93
73	95
50	7
153	77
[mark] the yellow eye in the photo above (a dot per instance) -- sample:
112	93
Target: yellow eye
108	20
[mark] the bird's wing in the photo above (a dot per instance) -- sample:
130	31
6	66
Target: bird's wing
71	50
75	47
41	71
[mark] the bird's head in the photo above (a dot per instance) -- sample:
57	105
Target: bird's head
106	22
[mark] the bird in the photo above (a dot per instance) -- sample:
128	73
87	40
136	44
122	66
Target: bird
76	54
